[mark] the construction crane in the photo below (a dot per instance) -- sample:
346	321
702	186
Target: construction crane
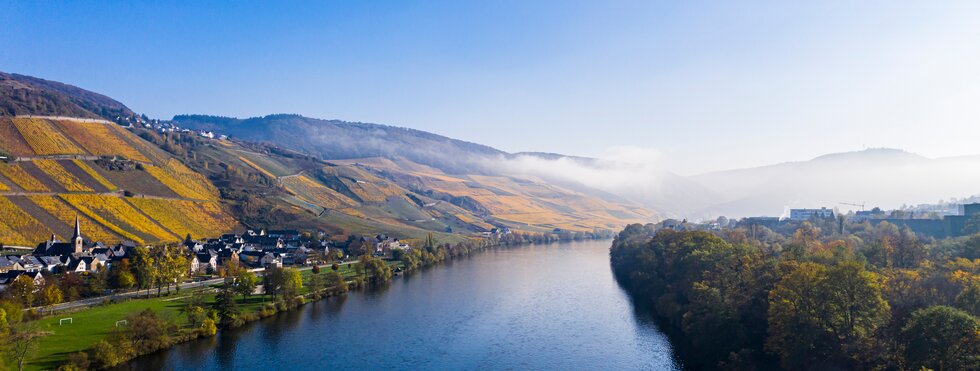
861	205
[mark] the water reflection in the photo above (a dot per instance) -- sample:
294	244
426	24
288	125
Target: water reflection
536	307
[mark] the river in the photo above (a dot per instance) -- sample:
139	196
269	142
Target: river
543	307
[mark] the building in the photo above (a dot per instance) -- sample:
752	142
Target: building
54	248
810	214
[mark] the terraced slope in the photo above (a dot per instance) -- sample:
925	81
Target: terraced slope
122	187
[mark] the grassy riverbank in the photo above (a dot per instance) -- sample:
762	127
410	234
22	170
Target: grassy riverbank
91	325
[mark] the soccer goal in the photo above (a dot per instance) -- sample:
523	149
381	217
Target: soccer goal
122	323
62	321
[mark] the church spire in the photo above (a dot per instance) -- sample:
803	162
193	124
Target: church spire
78	229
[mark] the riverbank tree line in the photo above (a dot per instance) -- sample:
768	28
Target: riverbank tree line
858	297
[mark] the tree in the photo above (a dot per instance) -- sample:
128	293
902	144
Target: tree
144	268
246	283
292	282
969	299
22	290
147	331
796	332
272	282
72	285
13	311
22	342
226	307
855	307
942	338
179	267
316	282
376	269
51	294
336	281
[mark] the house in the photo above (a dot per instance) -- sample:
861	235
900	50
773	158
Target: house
203	263
809	214
92	263
30	263
6	278
283	233
271	260
77	266
51	263
7	265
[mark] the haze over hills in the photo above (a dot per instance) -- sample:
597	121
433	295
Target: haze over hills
129	183
878	177
467	187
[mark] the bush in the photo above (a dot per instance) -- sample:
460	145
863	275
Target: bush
79	360
106	355
209	328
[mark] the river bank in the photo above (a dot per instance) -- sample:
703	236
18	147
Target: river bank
527	307
96	323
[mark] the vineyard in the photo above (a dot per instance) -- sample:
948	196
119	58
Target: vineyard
19	228
11	141
199	219
105	217
183	181
101	207
257	167
44	139
94	174
100	140
22	178
312	192
62	176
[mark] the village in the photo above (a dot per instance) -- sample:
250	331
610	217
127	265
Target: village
254	250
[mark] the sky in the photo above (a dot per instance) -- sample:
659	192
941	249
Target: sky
701	85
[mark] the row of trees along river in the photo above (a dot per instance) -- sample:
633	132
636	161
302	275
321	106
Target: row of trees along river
808	298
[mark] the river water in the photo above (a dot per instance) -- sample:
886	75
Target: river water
542	307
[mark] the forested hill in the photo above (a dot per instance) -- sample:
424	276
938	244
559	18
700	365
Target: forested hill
27	95
334	139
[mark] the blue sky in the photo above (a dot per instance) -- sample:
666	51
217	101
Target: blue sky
703	85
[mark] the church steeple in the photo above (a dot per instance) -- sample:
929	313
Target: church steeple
76	238
78	229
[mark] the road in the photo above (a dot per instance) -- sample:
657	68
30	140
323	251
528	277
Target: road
132	294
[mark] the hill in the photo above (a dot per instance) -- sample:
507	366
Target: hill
27	95
120	186
334	139
269	185
279	171
454	185
881	177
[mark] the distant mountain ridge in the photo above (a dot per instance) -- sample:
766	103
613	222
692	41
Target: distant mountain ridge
27	95
335	139
879	177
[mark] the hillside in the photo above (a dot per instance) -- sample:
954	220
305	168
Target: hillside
282	171
415	179
26	95
880	177
267	185
120	186
334	139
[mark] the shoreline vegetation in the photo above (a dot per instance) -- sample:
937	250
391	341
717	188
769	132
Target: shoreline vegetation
112	333
812	295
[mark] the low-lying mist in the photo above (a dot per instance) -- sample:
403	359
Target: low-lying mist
878	177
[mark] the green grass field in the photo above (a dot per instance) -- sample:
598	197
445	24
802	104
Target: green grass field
93	324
